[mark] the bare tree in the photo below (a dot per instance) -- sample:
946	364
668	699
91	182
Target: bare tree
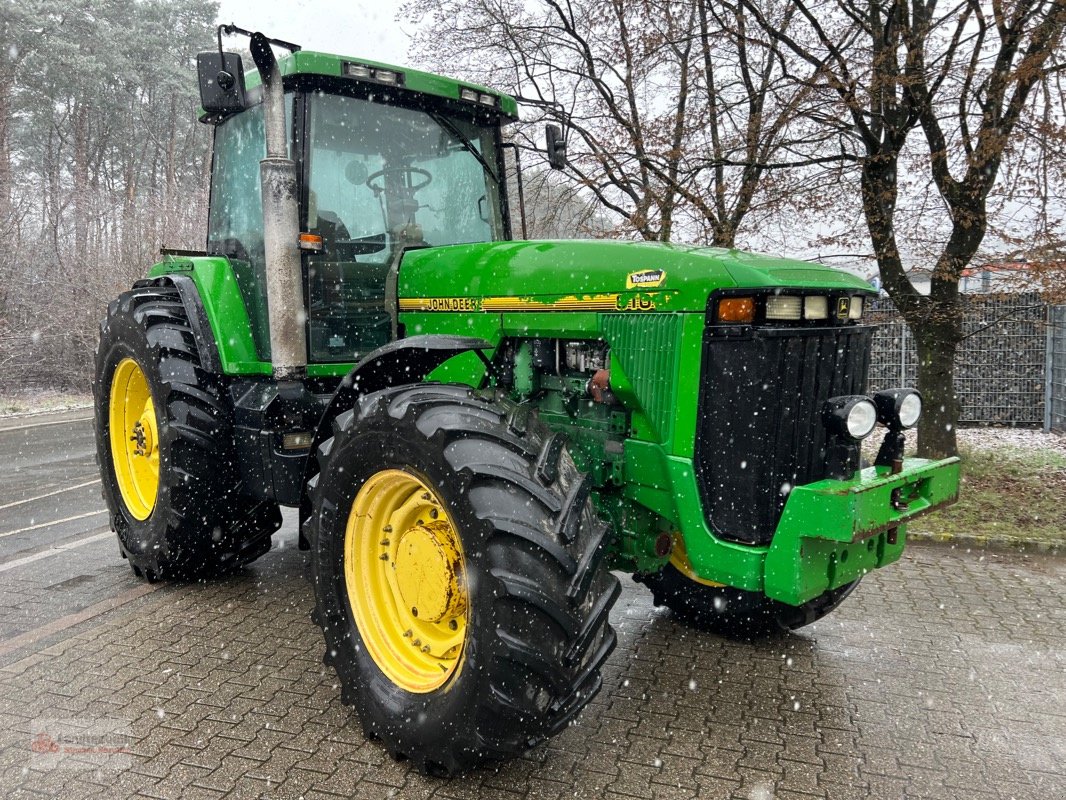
676	113
557	208
961	78
97	121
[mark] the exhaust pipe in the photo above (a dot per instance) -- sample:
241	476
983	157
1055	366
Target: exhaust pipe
281	228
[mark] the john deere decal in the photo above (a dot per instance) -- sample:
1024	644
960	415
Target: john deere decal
647	279
440	304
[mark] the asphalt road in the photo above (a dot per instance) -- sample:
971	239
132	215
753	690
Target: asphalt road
53	527
942	676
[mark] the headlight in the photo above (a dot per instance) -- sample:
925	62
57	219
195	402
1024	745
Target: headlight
899	408
784	306
854	416
855	309
816	307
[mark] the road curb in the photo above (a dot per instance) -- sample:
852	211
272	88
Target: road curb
997	543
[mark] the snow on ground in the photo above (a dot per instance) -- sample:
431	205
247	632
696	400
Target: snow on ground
1021	441
22	402
1011	438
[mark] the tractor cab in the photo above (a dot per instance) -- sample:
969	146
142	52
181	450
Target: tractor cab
386	161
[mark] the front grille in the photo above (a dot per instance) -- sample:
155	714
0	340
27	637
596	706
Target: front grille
760	430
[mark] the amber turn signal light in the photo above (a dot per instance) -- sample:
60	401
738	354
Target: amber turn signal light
736	309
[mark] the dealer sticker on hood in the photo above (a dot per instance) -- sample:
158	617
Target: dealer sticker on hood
646	279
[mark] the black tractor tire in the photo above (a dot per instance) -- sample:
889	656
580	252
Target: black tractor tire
735	613
539	593
202	524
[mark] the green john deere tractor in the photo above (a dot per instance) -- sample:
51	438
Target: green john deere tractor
477	429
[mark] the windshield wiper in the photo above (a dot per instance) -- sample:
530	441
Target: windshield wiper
468	145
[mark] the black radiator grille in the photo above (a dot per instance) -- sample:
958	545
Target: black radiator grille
760	428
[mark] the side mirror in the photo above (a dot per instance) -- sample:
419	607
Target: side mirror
556	146
221	82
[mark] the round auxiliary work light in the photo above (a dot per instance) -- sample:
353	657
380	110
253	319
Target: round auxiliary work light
910	410
854	416
898	408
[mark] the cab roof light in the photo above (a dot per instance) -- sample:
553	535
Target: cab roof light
736	309
468	94
366	72
486	100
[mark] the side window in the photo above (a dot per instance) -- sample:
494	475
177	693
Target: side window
235	220
235	224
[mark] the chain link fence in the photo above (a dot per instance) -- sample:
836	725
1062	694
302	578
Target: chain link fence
1002	365
1055	417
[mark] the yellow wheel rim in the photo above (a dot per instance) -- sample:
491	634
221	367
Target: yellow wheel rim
134	438
404	570
679	558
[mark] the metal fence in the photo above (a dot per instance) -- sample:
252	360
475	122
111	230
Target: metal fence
1001	366
1055	416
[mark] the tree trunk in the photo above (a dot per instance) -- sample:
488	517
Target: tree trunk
5	151
937	346
170	174
81	183
725	235
52	208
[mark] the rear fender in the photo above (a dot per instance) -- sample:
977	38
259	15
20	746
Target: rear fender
197	315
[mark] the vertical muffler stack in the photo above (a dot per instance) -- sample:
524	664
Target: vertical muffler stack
277	175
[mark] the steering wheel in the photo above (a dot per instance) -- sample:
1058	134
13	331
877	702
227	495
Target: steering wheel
409	172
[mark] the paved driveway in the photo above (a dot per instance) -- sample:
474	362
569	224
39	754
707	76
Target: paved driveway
942	676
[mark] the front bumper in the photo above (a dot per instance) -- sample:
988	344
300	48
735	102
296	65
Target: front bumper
830	532
834	532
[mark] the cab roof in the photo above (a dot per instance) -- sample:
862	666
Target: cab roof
305	62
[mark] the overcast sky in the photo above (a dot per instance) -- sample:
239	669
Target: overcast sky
346	27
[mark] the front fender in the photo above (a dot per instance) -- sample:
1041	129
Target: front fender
400	362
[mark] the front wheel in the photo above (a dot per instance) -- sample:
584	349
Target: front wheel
729	611
458	574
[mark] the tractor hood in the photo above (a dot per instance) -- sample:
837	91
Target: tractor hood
594	275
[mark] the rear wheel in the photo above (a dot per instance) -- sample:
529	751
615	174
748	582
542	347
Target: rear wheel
459	578
729	611
165	448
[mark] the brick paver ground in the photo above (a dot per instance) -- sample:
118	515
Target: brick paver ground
940	677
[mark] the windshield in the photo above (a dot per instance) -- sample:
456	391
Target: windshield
392	176
383	178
